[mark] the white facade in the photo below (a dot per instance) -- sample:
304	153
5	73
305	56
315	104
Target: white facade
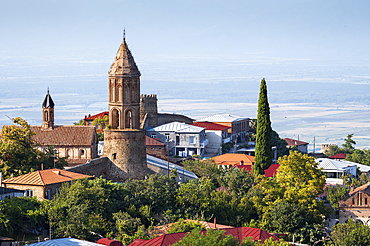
336	169
181	139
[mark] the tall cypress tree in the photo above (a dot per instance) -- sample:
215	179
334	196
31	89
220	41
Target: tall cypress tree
263	158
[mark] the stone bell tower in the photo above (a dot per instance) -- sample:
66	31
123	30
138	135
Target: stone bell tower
124	142
48	112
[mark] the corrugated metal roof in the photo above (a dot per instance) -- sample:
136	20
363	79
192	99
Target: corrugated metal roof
331	164
65	242
163	165
222	118
46	177
176	127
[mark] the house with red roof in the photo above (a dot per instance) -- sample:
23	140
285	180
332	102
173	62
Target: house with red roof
216	135
240	233
43	184
234	159
338	157
90	118
302	146
270	172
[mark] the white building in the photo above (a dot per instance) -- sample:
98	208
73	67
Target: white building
336	169
182	139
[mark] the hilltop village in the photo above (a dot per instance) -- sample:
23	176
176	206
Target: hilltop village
133	176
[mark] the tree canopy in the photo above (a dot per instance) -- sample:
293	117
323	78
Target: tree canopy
263	154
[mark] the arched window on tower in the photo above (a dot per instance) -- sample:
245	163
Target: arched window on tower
46	116
129	119
115	119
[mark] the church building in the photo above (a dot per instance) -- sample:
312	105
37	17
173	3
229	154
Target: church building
78	143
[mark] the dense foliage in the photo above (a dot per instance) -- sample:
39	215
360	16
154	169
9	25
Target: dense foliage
350	233
20	154
263	157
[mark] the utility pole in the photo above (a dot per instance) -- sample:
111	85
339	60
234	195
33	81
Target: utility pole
314	144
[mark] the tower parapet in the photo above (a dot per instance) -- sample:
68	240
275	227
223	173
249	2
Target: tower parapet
148	108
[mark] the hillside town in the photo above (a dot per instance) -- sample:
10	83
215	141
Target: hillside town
133	176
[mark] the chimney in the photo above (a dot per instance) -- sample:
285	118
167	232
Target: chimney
42	166
214	223
57	172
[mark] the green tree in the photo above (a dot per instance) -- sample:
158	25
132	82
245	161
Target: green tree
360	156
99	121
182	226
79	123
334	194
348	146
263	158
14	212
280	144
333	150
211	238
350	233
206	168
237	182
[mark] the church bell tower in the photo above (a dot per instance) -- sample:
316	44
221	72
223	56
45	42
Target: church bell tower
124	141
48	112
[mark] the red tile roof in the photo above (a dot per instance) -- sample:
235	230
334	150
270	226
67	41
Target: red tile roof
293	142
234	159
338	156
109	242
211	126
239	232
153	142
46	177
270	172
64	135
100	115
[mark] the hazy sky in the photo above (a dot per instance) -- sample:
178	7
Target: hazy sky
301	29
309	51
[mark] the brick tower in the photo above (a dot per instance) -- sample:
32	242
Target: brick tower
48	112
124	142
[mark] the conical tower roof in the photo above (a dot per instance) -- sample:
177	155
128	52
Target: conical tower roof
124	63
48	102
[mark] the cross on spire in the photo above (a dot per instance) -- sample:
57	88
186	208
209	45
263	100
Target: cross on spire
124	33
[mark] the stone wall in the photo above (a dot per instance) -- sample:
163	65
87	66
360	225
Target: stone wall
148	108
157	151
127	150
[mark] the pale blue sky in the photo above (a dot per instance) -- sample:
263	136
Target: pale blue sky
303	29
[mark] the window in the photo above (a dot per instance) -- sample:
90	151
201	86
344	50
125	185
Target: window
177	140
82	152
48	194
191	140
353	200
114	156
153	135
167	136
57	191
29	193
365	200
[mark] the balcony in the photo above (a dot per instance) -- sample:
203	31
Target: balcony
204	144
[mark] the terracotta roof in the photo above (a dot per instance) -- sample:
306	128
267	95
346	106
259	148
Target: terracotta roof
109	242
293	142
46	177
153	142
100	115
124	63
240	233
364	188
270	172
234	159
338	156
64	135
210	126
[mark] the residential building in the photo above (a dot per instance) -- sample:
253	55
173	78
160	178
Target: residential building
43	184
10	193
356	205
156	148
234	159
338	157
336	169
181	139
90	118
65	241
78	143
216	135
239	126
302	146
269	172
